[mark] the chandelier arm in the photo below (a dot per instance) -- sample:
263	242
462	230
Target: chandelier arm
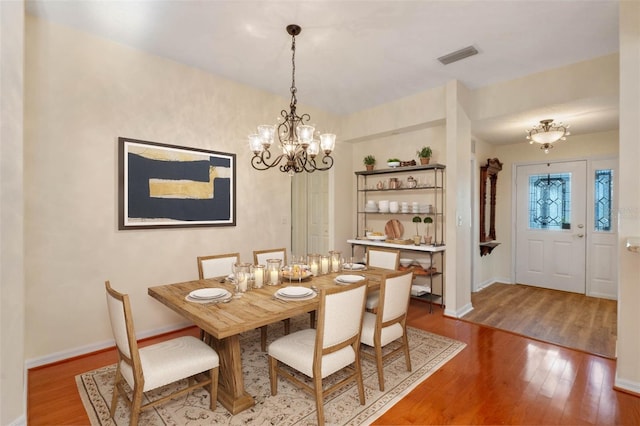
259	161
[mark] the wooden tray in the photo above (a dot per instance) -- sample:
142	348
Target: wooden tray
399	241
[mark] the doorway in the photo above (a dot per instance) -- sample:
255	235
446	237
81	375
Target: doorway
566	227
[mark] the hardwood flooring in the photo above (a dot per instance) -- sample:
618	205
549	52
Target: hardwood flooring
568	319
499	378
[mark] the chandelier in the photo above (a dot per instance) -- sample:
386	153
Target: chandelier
296	139
546	133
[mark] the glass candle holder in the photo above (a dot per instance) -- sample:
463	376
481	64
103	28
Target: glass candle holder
273	271
258	275
336	260
325	265
242	273
314	264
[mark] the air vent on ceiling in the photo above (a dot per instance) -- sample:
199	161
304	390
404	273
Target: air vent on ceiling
458	55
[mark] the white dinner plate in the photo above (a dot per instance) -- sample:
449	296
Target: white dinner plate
209	293
295	292
348	279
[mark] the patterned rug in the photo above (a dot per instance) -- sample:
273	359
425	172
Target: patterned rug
290	406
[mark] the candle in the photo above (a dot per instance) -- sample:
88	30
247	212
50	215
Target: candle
258	277
325	265
335	265
242	283
314	268
274	277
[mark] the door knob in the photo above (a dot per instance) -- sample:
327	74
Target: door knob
580	226
580	235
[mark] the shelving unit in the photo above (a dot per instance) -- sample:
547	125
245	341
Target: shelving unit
429	189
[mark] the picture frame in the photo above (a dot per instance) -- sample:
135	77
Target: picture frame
171	186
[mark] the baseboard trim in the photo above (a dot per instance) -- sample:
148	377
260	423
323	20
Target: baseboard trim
20	421
626	386
95	347
460	312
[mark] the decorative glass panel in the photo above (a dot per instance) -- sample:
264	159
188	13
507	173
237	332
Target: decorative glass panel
603	186
550	201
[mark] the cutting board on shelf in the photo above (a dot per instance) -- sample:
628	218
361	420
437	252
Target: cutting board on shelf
394	229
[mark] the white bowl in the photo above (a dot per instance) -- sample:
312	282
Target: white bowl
406	262
425	263
393	163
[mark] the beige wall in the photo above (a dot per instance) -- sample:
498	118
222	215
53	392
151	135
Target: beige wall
82	93
12	385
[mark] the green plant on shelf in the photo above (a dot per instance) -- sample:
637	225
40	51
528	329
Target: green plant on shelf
369	160
417	220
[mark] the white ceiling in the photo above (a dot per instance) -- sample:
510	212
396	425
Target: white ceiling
353	55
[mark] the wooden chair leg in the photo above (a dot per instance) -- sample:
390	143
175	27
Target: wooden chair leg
136	403
379	365
213	388
287	326
312	319
407	358
114	397
317	384
359	380
273	375
263	338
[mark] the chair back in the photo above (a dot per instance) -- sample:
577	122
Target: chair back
217	266
340	314
395	292
122	327
260	256
383	258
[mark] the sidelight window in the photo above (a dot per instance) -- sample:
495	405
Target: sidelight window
603	188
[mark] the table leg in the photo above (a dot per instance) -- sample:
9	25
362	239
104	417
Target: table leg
231	393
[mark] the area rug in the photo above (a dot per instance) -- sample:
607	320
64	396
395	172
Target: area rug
290	406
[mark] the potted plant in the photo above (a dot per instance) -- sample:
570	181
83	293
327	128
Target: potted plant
416	238
424	154
369	161
427	238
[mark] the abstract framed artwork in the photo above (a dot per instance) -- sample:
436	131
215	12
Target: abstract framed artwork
169	186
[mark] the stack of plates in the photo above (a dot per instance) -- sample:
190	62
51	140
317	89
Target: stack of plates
207	295
383	206
295	293
425	208
348	279
354	266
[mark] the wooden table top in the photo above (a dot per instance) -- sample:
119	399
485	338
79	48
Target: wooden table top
256	307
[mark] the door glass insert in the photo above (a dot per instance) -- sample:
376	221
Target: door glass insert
550	201
603	186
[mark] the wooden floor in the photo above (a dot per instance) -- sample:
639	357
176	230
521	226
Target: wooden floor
499	378
568	319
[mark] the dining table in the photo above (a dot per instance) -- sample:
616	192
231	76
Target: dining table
257	307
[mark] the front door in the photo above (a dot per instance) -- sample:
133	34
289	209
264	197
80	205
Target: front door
550	225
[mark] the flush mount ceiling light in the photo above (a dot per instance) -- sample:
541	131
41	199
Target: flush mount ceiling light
546	133
295	138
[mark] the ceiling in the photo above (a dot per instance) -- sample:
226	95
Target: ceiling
353	55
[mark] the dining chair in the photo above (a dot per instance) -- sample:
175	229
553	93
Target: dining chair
332	346
156	365
217	265
389	323
380	258
260	258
